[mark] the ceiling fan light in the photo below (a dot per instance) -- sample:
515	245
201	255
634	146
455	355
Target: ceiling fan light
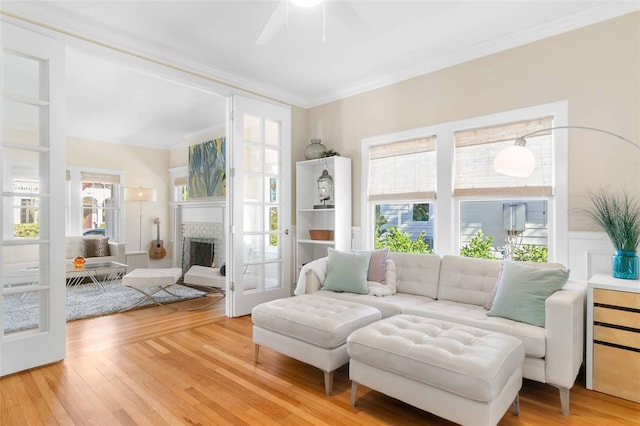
306	3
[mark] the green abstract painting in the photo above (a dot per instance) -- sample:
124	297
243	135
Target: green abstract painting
207	174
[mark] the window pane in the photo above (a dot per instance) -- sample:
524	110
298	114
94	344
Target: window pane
403	169
21	123
476	150
504	229
22	171
99	208
21	76
21	282
251	128
397	229
252	188
272	161
272	133
253	159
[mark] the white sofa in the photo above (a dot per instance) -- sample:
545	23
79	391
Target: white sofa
22	256
74	247
456	289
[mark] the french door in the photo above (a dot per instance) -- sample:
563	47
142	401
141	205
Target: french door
260	200
32	178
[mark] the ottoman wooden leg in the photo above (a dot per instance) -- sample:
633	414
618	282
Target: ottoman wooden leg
516	405
354	392
328	382
256	352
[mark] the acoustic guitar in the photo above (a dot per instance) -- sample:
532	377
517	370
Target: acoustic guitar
157	250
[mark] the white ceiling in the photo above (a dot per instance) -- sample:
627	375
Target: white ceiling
368	44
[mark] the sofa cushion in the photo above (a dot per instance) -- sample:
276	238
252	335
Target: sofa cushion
541	265
523	290
317	320
388	305
377	264
532	337
74	247
95	246
467	280
347	272
417	273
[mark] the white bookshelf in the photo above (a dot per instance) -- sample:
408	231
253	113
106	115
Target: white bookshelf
337	218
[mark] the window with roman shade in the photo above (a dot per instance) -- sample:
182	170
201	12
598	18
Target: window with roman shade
94	202
475	150
403	170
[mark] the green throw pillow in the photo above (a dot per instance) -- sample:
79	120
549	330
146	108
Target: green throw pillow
347	272
523	290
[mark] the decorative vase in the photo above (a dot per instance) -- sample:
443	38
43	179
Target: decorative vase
314	150
79	262
625	265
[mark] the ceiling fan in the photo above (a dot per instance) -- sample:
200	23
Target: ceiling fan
340	10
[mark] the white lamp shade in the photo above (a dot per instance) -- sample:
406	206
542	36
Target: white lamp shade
140	194
517	161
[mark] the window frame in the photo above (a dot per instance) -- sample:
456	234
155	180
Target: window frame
447	207
75	207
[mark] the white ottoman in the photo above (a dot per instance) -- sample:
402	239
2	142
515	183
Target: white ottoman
310	328
204	276
150	281
464	374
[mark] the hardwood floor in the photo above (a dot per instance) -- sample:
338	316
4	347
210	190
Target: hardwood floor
155	366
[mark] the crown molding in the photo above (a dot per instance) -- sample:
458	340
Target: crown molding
597	14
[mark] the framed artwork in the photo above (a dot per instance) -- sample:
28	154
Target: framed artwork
207	169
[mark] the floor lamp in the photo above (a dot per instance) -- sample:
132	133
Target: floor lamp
140	194
518	161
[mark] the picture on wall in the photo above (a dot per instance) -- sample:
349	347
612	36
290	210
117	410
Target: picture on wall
207	173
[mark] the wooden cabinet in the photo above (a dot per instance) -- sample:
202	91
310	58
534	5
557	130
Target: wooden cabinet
310	217
613	337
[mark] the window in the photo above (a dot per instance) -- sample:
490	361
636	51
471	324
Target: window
525	218
401	172
499	221
94	202
181	189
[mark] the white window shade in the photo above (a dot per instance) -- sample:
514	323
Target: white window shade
402	170
99	177
477	148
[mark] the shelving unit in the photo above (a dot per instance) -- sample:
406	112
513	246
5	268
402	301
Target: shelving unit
337	218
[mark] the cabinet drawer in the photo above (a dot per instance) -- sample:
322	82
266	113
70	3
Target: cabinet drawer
616	317
616	372
630	339
616	298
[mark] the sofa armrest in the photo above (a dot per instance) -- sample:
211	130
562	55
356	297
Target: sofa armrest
313	283
118	250
564	329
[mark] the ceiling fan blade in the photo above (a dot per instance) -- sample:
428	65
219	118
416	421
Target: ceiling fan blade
275	22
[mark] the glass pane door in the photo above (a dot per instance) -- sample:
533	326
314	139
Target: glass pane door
32	182
261	204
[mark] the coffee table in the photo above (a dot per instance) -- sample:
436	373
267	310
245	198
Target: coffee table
100	273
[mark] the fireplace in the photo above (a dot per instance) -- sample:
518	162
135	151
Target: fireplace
197	251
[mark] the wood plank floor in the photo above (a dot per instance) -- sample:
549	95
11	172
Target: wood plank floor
159	367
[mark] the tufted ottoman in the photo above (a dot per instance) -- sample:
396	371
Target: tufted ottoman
311	329
464	374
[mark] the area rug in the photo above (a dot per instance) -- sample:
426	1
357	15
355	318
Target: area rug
87	300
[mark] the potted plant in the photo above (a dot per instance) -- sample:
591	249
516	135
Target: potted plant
619	216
